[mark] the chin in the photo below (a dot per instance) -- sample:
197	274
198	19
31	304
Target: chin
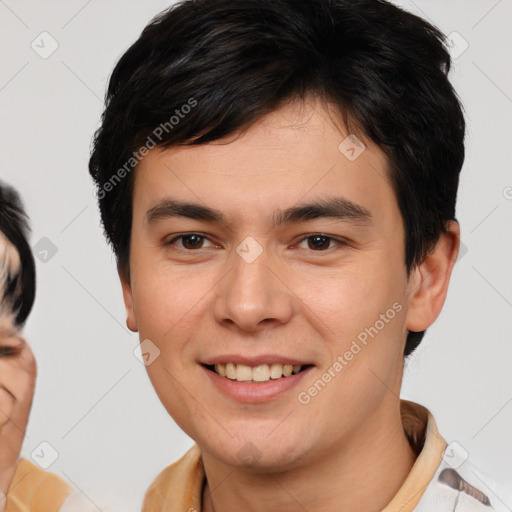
259	452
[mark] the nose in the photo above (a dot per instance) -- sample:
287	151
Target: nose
252	296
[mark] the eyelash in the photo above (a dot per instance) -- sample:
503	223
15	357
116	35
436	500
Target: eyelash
7	351
332	239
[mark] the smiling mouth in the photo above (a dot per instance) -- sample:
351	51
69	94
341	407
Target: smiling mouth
256	374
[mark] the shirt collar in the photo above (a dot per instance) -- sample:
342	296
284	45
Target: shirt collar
181	484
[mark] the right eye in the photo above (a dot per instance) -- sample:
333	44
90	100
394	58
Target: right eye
189	241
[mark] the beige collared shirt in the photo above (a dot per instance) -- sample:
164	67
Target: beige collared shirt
34	490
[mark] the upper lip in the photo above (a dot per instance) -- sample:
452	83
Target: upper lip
254	360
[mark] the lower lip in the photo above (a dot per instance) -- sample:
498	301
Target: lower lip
255	392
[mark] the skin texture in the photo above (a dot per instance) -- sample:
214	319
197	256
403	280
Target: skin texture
17	382
345	449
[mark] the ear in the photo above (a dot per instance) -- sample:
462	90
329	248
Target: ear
428	283
131	320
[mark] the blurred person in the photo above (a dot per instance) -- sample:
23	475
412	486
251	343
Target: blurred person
24	486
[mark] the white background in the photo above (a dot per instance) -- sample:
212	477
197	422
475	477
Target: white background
94	403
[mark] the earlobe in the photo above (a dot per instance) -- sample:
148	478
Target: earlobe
131	320
429	281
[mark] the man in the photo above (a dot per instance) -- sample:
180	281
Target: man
278	181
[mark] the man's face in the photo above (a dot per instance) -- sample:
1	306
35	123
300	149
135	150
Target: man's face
270	288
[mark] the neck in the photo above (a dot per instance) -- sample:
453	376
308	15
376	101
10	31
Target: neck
360	473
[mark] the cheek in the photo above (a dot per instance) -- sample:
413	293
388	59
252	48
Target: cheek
164	297
348	299
360	314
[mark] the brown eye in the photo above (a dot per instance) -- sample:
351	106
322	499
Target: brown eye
319	242
192	241
9	351
189	241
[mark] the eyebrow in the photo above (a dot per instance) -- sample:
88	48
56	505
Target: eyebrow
334	207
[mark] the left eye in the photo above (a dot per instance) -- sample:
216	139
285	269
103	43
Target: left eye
319	242
190	241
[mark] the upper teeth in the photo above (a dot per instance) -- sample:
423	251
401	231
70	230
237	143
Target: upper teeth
261	373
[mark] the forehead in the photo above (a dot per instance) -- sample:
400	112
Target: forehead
297	153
